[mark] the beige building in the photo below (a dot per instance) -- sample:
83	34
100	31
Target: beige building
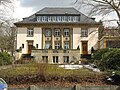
57	35
110	38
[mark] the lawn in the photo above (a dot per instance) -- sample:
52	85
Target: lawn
37	72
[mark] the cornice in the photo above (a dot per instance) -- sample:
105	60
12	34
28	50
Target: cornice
57	24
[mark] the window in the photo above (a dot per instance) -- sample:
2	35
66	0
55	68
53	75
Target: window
84	32
75	18
30	32
55	59
66	45
39	18
47	32
57	32
70	18
63	18
50	18
66	59
66	32
45	59
44	18
47	45
36	45
22	45
57	45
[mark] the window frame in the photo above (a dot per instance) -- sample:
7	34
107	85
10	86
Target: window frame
66	45
57	45
30	32
66	59
57	32
55	59
48	32
84	32
66	32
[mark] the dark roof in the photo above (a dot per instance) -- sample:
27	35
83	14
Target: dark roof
48	10
58	11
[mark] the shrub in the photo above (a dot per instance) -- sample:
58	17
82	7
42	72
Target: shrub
111	60
5	58
99	53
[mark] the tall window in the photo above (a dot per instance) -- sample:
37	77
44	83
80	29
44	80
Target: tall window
30	32
47	45
57	32
45	59
55	59
84	32
66	59
66	32
66	45
57	45
47	32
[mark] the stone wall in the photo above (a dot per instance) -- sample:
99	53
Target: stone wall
74	55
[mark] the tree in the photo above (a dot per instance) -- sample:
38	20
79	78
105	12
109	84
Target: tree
101	7
6	9
7	38
111	60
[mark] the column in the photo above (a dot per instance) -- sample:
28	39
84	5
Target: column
43	38
71	38
62	38
53	43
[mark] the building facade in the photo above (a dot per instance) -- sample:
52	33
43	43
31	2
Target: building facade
57	35
110	38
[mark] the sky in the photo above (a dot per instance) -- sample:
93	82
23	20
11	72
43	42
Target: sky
25	8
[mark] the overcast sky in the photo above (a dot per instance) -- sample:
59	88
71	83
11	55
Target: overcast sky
25	8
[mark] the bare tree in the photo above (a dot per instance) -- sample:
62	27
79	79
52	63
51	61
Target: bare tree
6	9
101	7
7	38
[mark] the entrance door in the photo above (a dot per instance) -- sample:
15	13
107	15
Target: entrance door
30	46
84	47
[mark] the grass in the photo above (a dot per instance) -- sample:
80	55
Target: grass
43	69
36	72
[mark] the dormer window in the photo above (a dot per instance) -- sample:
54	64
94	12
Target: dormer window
61	18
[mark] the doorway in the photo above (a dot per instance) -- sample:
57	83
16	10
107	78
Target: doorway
84	47
30	46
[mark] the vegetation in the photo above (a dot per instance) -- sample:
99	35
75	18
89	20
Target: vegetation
5	58
35	73
101	7
109	59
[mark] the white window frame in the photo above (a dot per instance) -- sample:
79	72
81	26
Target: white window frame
47	32
66	45
30	32
57	32
57	45
84	32
66	59
47	45
66	32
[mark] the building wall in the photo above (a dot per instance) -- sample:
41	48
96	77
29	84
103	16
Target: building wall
76	37
73	55
22	38
92	39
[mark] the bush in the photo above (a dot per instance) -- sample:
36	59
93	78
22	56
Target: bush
99	54
111	60
5	58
